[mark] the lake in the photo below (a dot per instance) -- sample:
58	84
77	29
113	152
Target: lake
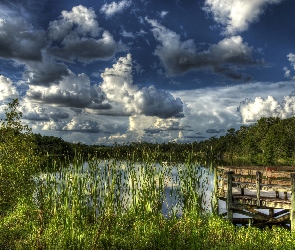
169	186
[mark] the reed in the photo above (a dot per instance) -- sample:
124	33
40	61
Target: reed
118	204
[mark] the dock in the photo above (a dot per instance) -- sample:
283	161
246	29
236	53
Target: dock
246	190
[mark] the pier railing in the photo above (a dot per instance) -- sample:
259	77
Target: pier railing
246	189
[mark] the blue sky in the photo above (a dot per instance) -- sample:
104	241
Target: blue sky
101	72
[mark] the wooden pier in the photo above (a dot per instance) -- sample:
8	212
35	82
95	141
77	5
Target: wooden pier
246	189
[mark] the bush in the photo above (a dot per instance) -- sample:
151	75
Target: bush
18	160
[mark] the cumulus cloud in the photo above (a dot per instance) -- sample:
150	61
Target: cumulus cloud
85	49
236	15
84	126
19	40
72	91
80	19
269	107
34	112
74	125
180	57
77	32
115	7
118	86
164	125
149	129
7	89
215	109
45	73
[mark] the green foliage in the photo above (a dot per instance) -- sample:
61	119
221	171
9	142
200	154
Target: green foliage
271	141
18	160
62	220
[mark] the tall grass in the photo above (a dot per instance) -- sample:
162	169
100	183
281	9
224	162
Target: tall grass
119	205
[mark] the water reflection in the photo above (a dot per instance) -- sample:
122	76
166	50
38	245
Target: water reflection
128	182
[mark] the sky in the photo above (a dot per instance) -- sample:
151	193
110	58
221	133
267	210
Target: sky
104	72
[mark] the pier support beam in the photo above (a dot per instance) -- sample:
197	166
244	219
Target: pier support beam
229	199
215	192
258	183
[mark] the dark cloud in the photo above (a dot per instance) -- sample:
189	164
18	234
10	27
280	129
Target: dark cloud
159	103
223	58
158	130
45	73
73	91
85	49
214	130
20	41
76	33
55	116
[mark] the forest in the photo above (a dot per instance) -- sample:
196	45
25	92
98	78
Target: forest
270	141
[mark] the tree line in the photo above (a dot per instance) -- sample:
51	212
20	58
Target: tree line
270	141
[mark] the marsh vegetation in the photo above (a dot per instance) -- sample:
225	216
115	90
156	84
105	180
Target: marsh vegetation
137	200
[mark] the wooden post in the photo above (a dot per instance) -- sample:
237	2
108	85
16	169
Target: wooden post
292	212
271	212
229	199
285	196
215	191
258	183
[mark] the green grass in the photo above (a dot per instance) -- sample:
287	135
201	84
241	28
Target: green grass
84	209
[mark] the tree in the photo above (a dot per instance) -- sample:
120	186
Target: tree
18	158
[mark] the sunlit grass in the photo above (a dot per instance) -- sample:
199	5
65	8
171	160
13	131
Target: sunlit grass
119	205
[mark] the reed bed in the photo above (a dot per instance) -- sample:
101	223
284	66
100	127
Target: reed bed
118	204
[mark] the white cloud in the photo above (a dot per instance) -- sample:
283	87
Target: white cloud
77	33
216	108
269	107
7	89
82	126
163	13
118	86
72	91
179	57
149	129
36	112
115	7
236	15
74	125
127	34
81	19
287	72
291	59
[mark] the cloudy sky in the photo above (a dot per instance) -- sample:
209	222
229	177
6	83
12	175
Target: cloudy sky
103	71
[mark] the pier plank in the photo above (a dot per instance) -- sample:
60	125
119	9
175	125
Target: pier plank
246	189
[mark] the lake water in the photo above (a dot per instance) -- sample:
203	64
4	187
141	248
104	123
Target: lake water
128	181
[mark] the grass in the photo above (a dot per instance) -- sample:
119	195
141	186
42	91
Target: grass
118	205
